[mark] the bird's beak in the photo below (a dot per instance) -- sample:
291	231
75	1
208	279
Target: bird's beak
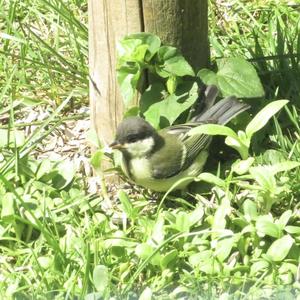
116	145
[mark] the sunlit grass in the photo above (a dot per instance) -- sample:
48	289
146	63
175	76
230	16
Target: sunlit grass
57	241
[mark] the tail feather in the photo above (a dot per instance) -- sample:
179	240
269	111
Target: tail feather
223	111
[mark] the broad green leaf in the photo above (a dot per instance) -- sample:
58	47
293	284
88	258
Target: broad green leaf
168	258
242	166
208	77
138	47
259	266
213	129
65	174
166	52
182	222
264	178
143	250
126	203
250	210
219	221
292	229
264	115
132	112
93	296
210	178
280	248
223	247
266	225
171	107
283	166
196	215
128	78
101	278
8	210
158	231
152	95
198	258
12	138
45	261
126	49
152	41
45	167
235	76
236	144
96	159
272	156
146	294
284	218
178	66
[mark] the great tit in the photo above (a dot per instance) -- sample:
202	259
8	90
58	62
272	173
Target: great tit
157	160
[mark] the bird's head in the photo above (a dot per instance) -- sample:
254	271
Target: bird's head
135	136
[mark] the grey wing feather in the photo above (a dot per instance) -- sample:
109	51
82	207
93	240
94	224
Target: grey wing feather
220	113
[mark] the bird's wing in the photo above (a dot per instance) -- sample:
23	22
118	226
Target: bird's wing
168	160
190	147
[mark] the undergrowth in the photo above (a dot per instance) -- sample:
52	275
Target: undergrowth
236	237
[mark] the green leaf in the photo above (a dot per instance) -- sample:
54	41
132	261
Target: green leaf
158	232
242	166
263	116
146	294
213	129
264	178
235	76
196	215
143	251
132	112
65	174
152	41
250	210
223	247
210	178
93	296
128	78
101	278
138	47
8	210
280	248
166	52
283	166
208	77
12	138
45	167
266	225
182	222
178	66
97	159
259	266
284	218
152	95
168	258
171	107
126	203
219	221
292	229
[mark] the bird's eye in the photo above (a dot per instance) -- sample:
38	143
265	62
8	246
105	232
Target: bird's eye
132	138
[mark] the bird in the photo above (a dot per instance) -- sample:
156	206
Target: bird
158	160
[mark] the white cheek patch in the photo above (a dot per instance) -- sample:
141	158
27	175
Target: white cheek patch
140	148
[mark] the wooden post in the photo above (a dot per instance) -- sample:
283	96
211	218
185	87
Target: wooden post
109	21
181	23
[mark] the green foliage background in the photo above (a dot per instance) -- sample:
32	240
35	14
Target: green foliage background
237	236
